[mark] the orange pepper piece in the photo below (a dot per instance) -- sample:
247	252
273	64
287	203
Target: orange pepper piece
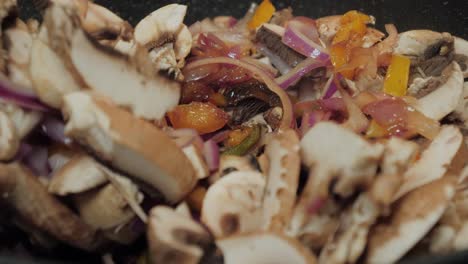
339	55
203	117
375	130
352	23
396	80
236	137
262	14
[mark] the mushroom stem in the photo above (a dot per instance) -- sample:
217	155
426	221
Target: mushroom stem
29	199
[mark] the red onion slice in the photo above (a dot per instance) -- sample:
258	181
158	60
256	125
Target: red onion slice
22	99
211	154
331	87
303	68
37	161
295	37
54	128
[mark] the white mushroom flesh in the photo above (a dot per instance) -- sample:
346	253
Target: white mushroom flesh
233	204
264	248
434	161
174	237
129	143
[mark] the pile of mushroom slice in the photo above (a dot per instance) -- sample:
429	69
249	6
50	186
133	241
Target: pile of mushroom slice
330	195
90	194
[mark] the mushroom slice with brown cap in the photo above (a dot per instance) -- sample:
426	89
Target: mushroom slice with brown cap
17	41
80	174
130	144
282	180
9	140
434	161
27	197
128	82
230	163
23	120
233	204
461	54
6	8
412	218
421	45
461	112
165	25
175	238
103	208
444	99
333	153
51	79
264	248
350	239
169	40
98	21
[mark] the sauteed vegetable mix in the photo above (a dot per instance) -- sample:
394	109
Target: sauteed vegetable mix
272	138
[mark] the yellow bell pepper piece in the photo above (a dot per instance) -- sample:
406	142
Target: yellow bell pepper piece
396	80
375	130
262	14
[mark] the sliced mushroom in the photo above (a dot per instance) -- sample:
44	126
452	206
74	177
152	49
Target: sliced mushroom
23	120
6	8
51	79
434	161
103	208
282	180
233	204
350	239
9	140
413	217
169	40
128	82
445	98
165	25
78	175
421	45
17	41
175	238
229	163
335	154
130	144
328	27
461	54
264	248
461	112
397	155
99	21
27	197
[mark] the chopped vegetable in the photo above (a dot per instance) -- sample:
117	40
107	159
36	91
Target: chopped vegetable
203	117
236	136
247	144
375	130
262	15
353	26
301	35
396	80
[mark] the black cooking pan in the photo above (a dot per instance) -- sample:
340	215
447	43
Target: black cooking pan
438	15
